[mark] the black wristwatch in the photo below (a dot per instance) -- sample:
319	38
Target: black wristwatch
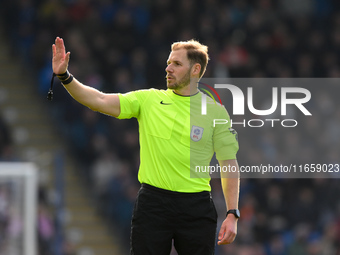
236	212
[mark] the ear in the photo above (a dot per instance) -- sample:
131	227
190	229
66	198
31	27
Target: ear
195	70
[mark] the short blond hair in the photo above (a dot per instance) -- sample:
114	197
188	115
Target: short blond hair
196	53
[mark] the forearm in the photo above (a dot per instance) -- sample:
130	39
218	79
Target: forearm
230	188
93	98
83	94
230	184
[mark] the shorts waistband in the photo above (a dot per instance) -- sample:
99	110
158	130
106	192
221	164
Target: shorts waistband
173	193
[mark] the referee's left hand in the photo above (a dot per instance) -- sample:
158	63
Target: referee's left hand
228	230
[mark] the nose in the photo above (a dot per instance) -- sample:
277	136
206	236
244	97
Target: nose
168	69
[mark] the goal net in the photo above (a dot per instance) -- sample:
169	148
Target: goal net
18	195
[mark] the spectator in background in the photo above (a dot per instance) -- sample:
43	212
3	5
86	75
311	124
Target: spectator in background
6	153
45	229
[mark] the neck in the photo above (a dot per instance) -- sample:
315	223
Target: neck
186	91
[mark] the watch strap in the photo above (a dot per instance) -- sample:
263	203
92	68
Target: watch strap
236	212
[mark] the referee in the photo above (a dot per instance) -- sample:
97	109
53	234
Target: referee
174	203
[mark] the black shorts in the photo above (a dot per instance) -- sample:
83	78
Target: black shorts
161	217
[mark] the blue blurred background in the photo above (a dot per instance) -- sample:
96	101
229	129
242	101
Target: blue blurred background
119	46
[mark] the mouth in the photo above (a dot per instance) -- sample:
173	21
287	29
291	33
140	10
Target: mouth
169	78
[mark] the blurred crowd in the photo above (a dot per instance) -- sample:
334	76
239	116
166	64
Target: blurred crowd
119	46
5	141
5	219
12	207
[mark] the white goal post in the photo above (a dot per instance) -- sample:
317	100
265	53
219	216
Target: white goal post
18	196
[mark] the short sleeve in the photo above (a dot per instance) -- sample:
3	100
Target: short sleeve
130	103
225	138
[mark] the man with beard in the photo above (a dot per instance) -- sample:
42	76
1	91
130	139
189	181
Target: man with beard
174	203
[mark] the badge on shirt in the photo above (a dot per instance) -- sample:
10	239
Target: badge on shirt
196	133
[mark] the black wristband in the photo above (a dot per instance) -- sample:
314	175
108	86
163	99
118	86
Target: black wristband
64	76
236	212
68	80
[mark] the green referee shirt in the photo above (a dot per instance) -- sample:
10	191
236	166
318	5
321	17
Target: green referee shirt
175	137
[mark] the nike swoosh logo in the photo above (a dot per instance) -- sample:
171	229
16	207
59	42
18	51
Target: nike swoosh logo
165	103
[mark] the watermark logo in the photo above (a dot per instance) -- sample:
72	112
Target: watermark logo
284	96
204	96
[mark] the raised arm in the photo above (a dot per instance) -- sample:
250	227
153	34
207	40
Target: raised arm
94	99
